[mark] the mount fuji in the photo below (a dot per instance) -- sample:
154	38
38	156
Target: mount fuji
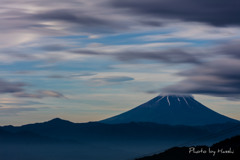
171	110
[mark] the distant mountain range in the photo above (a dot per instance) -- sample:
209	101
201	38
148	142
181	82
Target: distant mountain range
95	131
59	139
172	110
161	123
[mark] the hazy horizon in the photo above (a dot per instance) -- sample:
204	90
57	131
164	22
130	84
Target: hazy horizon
62	117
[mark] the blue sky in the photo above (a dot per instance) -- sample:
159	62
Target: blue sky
85	61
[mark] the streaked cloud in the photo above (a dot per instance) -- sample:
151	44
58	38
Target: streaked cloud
168	55
111	79
212	12
21	103
80	19
39	94
217	78
15	111
231	48
54	47
11	87
56	76
17	89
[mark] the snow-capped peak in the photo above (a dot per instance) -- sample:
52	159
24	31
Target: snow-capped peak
179	98
173	110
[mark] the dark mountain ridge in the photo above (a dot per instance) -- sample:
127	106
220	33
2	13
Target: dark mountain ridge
134	131
100	131
228	149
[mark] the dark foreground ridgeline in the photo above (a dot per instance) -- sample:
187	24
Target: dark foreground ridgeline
228	149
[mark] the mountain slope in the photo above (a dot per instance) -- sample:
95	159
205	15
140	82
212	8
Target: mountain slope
172	110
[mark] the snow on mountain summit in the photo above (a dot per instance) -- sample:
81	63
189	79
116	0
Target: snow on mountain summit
180	98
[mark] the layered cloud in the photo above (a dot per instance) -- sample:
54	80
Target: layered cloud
39	94
11	87
15	111
231	48
176	55
17	89
173	32
214	12
217	77
31	23
111	80
167	56
71	76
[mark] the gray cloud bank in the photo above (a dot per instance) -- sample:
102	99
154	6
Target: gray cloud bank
17	89
15	111
219	77
214	12
110	80
113	79
216	71
39	94
11	87
167	56
78	20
